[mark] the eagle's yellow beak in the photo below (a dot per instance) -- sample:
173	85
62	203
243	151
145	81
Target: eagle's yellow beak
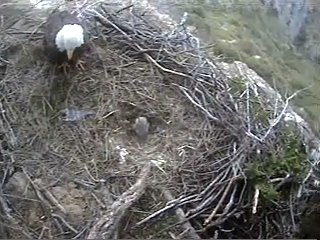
70	53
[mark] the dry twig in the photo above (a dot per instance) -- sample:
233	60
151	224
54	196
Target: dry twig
106	226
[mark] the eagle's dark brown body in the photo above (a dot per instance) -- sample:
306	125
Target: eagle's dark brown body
53	25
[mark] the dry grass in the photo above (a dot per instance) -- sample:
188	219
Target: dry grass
72	172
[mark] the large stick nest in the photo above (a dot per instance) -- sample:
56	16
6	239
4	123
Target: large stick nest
70	155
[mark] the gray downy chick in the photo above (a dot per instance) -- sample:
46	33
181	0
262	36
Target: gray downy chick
141	127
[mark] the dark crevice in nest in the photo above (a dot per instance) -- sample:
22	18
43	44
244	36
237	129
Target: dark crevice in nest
199	142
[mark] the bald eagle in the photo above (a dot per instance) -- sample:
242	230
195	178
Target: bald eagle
65	40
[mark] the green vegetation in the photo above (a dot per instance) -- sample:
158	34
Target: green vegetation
253	35
261	113
285	156
289	157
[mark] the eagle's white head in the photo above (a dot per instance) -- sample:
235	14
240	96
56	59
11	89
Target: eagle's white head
70	37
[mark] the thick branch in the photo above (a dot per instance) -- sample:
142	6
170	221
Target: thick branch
108	223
